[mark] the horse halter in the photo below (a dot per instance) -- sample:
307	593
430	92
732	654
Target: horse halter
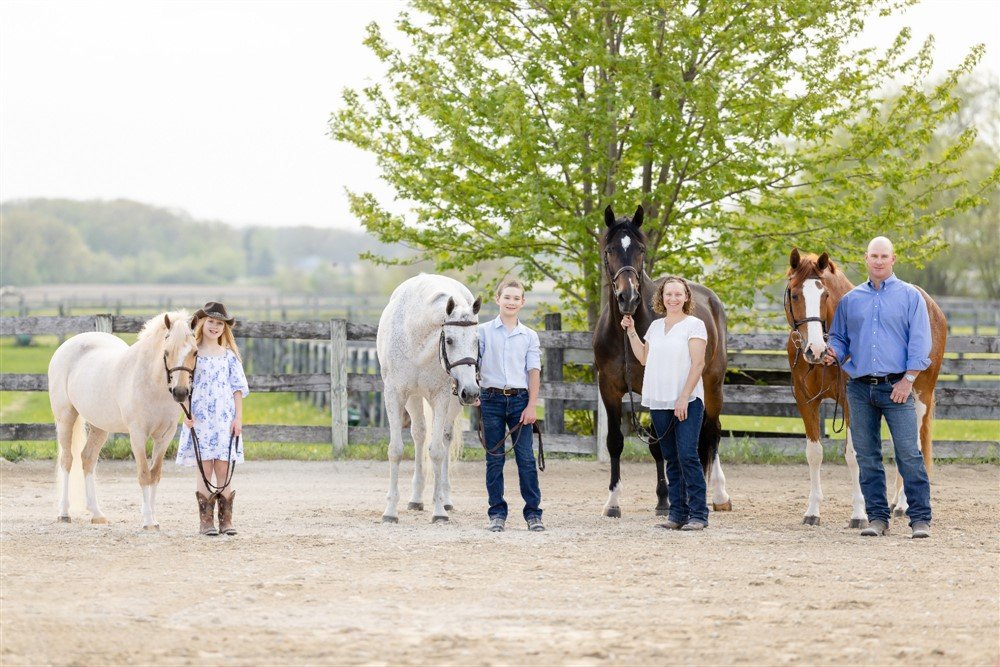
464	361
797	338
171	371
628	267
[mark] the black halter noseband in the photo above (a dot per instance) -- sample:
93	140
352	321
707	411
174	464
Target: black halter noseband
171	371
464	361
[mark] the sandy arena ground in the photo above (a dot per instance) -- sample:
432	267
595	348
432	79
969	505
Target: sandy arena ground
314	577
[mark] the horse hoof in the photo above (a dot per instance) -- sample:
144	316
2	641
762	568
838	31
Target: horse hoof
898	512
63	519
811	520
613	512
449	508
440	519
858	523
416	506
723	507
662	511
153	527
390	519
99	519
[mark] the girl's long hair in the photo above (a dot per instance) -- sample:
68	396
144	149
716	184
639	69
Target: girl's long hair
226	339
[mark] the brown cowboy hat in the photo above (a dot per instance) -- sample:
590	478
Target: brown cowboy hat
215	310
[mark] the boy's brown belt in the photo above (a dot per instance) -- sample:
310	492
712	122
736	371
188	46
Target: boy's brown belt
505	392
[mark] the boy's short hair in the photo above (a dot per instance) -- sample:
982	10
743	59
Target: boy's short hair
509	282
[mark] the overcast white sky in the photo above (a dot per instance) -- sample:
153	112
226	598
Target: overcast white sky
221	108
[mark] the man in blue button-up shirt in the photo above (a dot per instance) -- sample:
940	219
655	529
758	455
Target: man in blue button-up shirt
881	335
511	377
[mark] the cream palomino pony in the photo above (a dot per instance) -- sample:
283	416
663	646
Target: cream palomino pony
428	351
98	385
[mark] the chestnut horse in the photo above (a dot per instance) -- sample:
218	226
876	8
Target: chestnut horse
815	287
631	290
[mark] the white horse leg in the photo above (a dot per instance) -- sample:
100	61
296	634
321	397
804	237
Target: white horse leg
859	516
394	412
95	440
138	441
418	429
65	422
720	498
814	455
160	442
439	456
452	430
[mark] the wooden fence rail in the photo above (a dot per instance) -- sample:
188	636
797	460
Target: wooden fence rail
747	352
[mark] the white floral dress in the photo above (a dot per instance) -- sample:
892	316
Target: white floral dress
216	379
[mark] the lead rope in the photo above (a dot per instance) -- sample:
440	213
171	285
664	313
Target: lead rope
637	426
836	394
498	447
213	489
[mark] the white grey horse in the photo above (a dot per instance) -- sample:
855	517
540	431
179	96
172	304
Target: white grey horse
428	350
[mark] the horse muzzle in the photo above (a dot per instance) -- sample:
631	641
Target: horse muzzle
628	301
180	393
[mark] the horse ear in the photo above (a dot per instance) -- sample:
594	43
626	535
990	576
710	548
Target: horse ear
823	263
609	216
166	320
637	218
450	307
476	305
793	259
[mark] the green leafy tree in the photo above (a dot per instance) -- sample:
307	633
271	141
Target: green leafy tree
743	128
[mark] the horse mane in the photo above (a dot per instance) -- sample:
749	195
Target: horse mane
156	325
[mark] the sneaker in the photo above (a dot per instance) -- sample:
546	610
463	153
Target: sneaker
670	525
496	524
535	524
921	529
876	528
694	525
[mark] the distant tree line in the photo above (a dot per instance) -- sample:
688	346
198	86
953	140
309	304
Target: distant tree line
67	241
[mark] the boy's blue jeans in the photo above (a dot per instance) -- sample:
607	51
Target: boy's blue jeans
686	486
499	414
869	403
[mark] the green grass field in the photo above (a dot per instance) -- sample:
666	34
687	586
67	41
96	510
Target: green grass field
283	408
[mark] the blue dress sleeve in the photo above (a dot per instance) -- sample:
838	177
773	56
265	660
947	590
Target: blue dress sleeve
237	378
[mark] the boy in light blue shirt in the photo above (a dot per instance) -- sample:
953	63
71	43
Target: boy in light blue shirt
511	376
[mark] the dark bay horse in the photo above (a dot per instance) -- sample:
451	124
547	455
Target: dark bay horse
631	291
815	287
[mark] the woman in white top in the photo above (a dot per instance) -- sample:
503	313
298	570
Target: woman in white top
673	353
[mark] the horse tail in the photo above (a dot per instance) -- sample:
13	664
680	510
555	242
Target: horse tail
77	494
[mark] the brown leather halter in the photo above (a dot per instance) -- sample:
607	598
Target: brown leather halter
171	371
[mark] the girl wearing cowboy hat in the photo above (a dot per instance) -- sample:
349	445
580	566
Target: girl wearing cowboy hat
218	389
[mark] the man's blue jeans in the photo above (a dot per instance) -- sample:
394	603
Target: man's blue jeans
869	403
502	413
685	478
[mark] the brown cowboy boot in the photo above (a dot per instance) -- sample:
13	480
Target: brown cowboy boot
206	510
226	514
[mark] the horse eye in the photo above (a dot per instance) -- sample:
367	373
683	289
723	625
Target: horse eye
449	341
795	297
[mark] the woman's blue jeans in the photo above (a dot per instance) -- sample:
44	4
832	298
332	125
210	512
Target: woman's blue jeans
499	414
869	403
685	478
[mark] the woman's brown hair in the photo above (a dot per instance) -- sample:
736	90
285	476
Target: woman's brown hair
658	306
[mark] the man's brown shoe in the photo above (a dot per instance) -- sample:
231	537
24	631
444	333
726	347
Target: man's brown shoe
921	529
876	528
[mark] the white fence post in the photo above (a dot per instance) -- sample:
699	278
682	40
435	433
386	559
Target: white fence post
103	323
338	384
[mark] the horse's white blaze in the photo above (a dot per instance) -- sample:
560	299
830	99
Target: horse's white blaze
413	371
812	292
857	498
814	455
719	494
626	242
613	496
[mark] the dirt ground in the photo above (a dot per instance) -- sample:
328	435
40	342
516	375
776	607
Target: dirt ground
314	577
